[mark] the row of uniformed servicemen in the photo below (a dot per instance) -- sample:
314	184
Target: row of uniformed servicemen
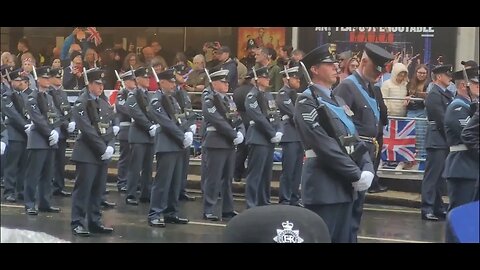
329	195
37	123
338	169
448	154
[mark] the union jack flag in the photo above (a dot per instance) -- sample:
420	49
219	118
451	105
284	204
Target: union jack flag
94	35
399	140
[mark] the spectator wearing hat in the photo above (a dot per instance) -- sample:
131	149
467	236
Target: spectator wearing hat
276	224
292	150
92	152
125	120
333	173
249	59
14	106
171	140
224	130
60	100
437	148
264	132
461	165
358	93
264	58
42	143
225	60
73	74
141	139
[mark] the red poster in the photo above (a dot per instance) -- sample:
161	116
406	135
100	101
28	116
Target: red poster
270	37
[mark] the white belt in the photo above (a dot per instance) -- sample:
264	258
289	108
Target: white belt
285	117
125	124
431	122
252	122
310	154
211	128
458	148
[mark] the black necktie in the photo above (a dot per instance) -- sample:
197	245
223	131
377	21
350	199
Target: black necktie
332	96
370	90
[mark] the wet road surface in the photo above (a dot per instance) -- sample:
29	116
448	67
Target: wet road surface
380	224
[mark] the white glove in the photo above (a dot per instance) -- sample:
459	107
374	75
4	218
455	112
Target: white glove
188	139
71	127
152	130
28	127
193	128
116	129
108	153
53	137
239	139
277	138
365	181
3	147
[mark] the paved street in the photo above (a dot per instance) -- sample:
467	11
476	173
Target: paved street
381	224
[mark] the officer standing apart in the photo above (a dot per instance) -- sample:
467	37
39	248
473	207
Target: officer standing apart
60	100
335	161
42	143
14	102
461	166
140	137
262	135
123	115
470	136
187	112
436	144
224	130
170	142
358	94
92	152
292	149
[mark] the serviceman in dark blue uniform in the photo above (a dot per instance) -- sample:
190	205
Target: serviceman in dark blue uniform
436	144
224	130
141	138
357	92
186	112
264	132
336	168
171	139
14	106
4	86
125	120
241	154
92	152
42	143
470	137
461	166
4	137
62	104
292	149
